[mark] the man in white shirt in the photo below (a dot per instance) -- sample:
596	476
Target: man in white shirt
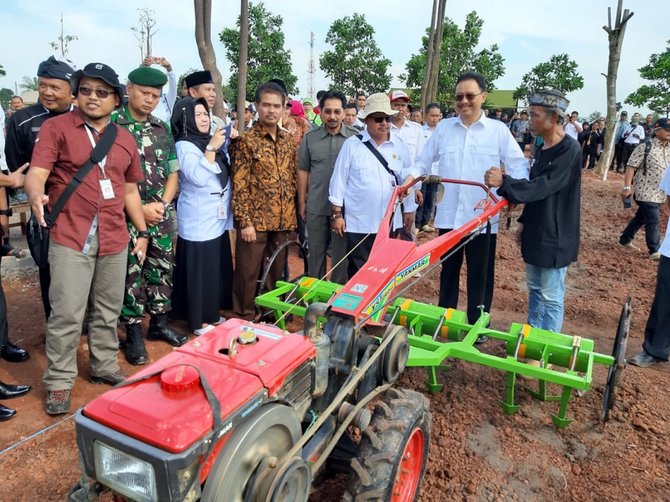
632	137
412	134
424	213
167	100
572	126
362	185
466	147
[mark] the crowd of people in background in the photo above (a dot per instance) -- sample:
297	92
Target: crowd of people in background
180	208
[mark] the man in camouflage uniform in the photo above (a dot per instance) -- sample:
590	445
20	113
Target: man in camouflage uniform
160	167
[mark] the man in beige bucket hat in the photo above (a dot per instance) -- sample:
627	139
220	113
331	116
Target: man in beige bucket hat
368	168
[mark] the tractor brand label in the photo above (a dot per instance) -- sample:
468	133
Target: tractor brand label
346	301
267	334
252	407
359	288
418	265
380	299
225	429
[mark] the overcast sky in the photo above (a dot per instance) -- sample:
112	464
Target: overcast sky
527	33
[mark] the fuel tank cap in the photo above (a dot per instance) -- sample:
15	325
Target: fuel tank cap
247	336
180	378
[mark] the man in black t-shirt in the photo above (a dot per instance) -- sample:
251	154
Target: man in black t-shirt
550	218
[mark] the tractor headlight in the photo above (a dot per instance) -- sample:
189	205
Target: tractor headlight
125	474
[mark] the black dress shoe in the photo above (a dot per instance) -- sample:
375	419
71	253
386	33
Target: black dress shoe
6	413
8	391
159	330
13	353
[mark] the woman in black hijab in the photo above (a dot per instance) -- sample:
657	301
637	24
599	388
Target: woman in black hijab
204	269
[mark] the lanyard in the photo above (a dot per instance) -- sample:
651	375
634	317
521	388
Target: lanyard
104	160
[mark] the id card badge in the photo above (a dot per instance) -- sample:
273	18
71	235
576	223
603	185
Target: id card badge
106	188
223	212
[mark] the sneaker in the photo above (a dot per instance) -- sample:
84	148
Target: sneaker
112	379
58	401
220	321
655	256
643	360
427	228
630	245
481	339
203	330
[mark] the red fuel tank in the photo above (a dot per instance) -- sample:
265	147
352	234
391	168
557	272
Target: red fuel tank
169	409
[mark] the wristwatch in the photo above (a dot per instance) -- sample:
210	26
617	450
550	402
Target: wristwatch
165	203
210	148
6	212
627	187
144	233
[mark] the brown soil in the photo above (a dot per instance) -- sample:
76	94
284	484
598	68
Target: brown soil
476	452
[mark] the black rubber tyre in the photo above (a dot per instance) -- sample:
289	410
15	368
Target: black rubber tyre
619	354
401	423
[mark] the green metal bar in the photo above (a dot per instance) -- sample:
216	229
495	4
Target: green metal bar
437	333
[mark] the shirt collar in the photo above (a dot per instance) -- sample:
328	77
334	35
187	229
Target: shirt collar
483	120
323	131
393	138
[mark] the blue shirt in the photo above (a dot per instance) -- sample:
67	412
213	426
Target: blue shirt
201	206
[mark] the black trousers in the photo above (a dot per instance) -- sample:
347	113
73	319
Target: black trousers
360	256
480	255
590	153
648	215
618	156
657	332
4	328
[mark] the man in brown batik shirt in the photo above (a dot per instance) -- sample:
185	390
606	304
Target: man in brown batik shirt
264	189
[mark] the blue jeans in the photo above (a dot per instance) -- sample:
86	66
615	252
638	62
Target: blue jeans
546	289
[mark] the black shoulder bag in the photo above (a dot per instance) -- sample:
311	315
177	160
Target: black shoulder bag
37	235
402	233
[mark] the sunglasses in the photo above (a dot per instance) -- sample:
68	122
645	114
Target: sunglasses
379	120
469	96
101	93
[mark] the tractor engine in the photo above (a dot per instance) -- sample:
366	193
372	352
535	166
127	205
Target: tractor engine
152	437
217	417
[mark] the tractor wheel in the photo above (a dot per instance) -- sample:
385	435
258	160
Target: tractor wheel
394	449
619	354
264	437
281	253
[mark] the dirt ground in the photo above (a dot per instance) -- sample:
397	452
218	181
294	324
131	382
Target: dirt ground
477	452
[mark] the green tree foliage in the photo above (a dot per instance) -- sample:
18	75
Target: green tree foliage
2	71
458	54
560	72
29	83
267	56
356	64
5	97
655	95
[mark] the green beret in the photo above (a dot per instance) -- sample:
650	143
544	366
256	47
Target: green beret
151	77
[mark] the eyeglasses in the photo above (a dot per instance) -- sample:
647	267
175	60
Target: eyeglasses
379	120
101	93
469	96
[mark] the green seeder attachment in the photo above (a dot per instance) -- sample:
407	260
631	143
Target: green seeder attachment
437	333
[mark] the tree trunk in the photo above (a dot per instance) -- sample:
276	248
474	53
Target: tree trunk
439	34
429	58
242	62
615	37
203	39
